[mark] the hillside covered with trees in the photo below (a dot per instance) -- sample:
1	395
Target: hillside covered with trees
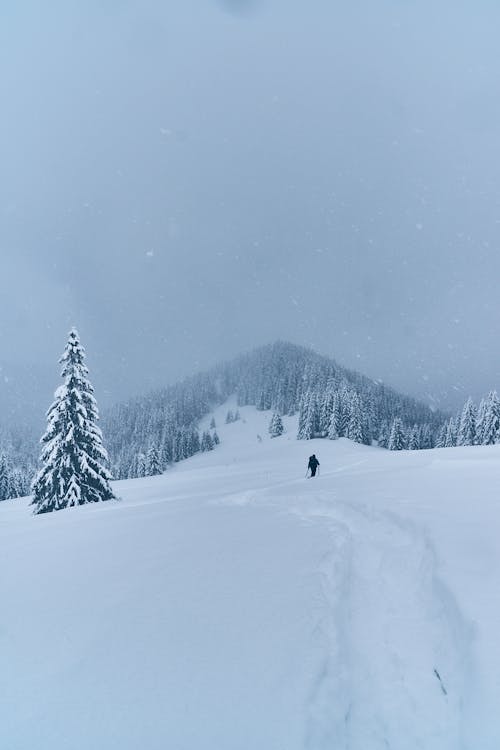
144	435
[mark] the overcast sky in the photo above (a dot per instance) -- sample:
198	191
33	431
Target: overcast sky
186	179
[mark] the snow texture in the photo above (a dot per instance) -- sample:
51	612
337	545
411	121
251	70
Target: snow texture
232	604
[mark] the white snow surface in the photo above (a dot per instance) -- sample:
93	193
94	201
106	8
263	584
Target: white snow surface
231	604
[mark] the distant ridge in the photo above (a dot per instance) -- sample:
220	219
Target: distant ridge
331	401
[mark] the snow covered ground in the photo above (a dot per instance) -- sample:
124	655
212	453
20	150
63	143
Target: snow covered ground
230	604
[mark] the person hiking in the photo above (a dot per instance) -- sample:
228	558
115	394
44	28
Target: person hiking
313	465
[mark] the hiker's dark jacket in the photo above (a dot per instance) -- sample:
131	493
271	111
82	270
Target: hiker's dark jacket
313	463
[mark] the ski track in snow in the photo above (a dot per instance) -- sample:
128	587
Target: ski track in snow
381	590
380	584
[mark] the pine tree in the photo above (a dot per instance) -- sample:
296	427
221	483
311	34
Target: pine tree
302	416
153	466
276	426
491	426
467	428
441	438
195	442
397	439
177	446
344	403
332	429
481	421
5	479
73	459
17	487
229	417
215	438
333	426
326	410
355	426
425	437
369	418
212	423
414	439
384	435
307	417
450	440
187	442
166	453
207	443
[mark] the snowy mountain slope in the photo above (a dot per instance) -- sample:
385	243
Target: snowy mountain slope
283	377
230	604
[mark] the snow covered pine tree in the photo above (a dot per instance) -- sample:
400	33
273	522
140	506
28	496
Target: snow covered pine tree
73	459
276	426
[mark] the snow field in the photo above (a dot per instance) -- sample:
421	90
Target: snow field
232	604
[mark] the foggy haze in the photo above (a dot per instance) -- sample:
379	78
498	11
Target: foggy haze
184	181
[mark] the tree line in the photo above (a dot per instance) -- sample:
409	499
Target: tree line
146	435
331	401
